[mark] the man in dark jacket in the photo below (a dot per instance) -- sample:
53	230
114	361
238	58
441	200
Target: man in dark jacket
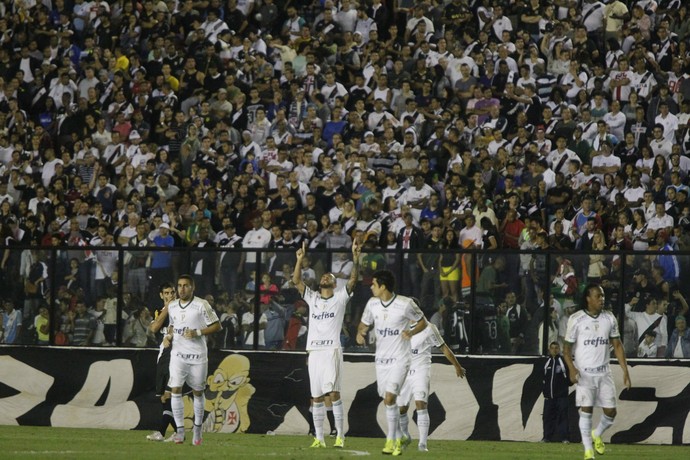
555	389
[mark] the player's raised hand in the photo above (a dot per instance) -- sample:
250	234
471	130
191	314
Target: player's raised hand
356	248
302	251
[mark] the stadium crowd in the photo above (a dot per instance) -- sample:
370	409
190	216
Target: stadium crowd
412	125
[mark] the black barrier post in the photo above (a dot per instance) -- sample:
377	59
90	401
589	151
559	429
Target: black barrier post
471	339
120	293
53	290
547	300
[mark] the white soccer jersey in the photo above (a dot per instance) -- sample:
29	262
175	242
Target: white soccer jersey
422	344
390	319
195	314
591	338
325	318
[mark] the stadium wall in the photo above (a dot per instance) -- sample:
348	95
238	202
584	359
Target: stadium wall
258	392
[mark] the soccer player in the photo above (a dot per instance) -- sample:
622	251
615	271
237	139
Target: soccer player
167	294
390	314
588	336
326	313
192	319
417	382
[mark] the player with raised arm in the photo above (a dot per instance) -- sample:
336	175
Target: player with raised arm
167	294
390	314
192	319
590	333
326	314
418	381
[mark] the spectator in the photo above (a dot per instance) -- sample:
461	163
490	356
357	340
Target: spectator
679	344
11	324
82	325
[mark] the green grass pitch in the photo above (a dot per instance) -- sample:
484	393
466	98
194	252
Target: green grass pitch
66	443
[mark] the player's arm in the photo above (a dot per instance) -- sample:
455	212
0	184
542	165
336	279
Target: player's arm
194	333
419	327
448	353
157	323
354	274
362	330
568	358
297	272
619	351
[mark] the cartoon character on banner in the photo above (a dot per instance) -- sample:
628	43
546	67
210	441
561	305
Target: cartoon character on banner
227	398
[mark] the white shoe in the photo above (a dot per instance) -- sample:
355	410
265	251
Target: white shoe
422	448
196	435
155	436
178	438
170	438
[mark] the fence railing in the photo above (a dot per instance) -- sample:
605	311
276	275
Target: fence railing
484	302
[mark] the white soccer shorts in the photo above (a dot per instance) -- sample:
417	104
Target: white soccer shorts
416	387
595	390
194	374
325	371
390	379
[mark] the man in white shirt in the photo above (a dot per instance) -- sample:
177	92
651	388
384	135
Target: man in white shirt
668	120
559	158
619	80
615	119
590	333
257	237
605	162
390	314
661	220
191	320
326	313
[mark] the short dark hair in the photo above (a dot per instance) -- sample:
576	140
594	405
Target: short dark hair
385	278
164	286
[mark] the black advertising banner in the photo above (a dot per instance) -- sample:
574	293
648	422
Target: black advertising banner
258	392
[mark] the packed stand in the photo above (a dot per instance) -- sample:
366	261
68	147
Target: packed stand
435	125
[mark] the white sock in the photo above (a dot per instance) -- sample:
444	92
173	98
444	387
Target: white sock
319	414
339	416
405	424
178	412
586	429
423	423
199	409
604	424
393	415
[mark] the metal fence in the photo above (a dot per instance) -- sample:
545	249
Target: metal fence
484	302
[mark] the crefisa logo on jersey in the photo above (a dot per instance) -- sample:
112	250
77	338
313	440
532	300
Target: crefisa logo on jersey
596	342
387	332
321	343
323	315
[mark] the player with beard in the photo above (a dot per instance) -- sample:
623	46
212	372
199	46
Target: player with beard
191	319
326	314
